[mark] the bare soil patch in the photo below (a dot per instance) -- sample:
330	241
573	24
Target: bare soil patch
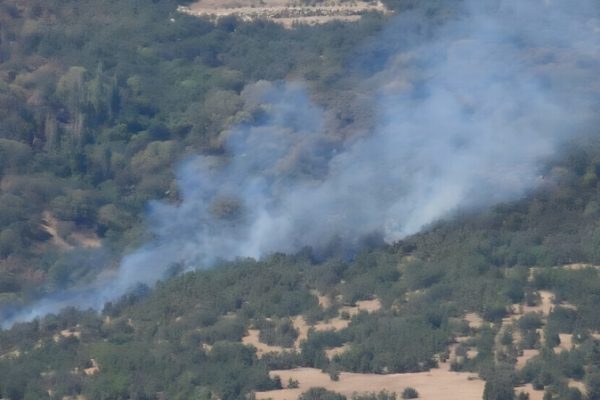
527	355
362	305
475	321
11	355
578	385
94	369
566	342
302	327
285	12
252	338
339	323
580	266
336	351
437	384
335	324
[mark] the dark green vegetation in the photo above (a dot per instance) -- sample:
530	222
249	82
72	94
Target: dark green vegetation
426	283
99	100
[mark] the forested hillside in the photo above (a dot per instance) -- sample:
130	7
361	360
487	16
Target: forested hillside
100	101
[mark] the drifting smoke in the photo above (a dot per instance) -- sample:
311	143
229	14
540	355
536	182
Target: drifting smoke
465	118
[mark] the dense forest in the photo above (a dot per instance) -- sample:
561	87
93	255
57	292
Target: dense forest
89	134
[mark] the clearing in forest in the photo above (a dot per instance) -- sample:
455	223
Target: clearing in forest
437	384
286	12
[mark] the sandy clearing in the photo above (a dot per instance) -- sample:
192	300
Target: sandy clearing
335	324
252	338
11	355
302	327
362	305
566	342
580	266
65	333
208	347
315	20
94	369
369	306
436	384
474	320
338	322
545	306
336	351
578	385
472	353
528	354
286	13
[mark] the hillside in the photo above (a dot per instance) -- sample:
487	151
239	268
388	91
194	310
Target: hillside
89	136
308	200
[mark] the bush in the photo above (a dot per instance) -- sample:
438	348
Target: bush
383	395
293	384
320	393
410	393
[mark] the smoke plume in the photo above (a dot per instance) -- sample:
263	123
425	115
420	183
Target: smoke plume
466	114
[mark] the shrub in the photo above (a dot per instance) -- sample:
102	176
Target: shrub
320	393
410	393
293	384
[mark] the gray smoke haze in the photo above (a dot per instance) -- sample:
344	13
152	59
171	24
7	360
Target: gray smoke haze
466	116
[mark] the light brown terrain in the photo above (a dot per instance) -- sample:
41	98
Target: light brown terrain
528	354
566	343
337	323
474	320
285	12
437	384
252	338
93	370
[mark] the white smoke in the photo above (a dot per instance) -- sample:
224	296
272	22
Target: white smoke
466	116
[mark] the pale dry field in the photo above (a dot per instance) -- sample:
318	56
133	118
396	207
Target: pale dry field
528	354
437	384
286	13
566	342
337	323
474	320
261	348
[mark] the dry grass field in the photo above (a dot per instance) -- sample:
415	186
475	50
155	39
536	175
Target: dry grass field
437	384
284	12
